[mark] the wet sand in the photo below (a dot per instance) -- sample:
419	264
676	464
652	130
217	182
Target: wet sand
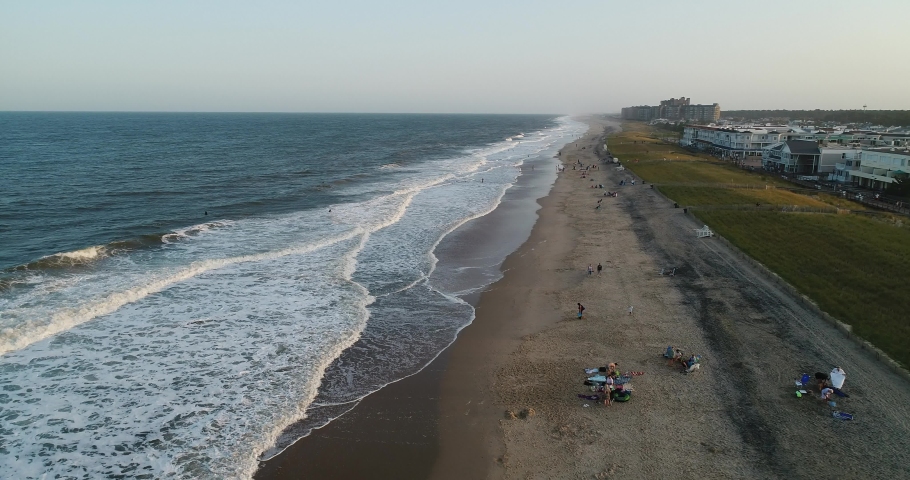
502	401
393	433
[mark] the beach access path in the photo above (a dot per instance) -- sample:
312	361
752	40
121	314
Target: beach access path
737	417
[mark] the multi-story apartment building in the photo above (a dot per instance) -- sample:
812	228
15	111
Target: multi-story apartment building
642	113
700	113
674	109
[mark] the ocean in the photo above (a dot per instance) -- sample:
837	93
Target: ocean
183	295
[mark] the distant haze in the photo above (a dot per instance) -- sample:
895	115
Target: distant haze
465	56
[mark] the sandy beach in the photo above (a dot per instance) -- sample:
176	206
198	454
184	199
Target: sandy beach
502	401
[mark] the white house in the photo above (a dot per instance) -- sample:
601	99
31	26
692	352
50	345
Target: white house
876	167
739	142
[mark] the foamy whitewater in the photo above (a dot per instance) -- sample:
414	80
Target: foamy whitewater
190	356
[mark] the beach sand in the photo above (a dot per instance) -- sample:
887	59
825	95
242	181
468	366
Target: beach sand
502	402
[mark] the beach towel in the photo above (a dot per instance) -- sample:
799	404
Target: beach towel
622	380
633	374
840	393
842	415
588	397
837	378
598	378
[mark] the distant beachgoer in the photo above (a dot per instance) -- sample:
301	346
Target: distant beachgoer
590	269
826	393
599	269
630	309
481	180
581	309
206	212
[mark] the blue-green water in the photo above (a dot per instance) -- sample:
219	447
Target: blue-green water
173	286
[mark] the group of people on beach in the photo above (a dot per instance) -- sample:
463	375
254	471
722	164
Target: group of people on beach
608	381
675	356
829	384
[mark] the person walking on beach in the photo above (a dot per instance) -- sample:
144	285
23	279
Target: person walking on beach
599	269
581	309
591	267
630	309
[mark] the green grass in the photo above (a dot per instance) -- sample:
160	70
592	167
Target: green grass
694	196
855	268
697	172
852	266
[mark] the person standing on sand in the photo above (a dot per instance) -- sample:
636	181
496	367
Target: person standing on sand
630	309
599	269
581	309
590	268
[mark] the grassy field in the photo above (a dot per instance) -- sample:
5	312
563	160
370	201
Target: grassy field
701	172
852	266
695	196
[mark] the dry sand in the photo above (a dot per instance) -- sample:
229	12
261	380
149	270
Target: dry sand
737	417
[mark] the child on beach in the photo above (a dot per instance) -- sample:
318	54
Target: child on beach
591	267
630	309
599	269
581	309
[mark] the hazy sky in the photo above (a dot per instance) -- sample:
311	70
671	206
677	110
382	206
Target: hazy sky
457	56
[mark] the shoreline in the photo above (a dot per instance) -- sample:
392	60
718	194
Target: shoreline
394	428
466	414
736	417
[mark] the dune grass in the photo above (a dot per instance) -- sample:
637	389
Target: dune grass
697	172
853	267
695	196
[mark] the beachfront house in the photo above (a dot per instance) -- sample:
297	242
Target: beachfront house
875	168
739	142
792	156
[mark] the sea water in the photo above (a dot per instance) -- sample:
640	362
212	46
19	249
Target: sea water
182	295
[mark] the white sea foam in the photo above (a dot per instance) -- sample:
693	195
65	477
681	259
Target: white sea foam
189	360
77	257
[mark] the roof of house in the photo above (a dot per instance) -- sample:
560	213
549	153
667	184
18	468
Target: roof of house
896	151
803	147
